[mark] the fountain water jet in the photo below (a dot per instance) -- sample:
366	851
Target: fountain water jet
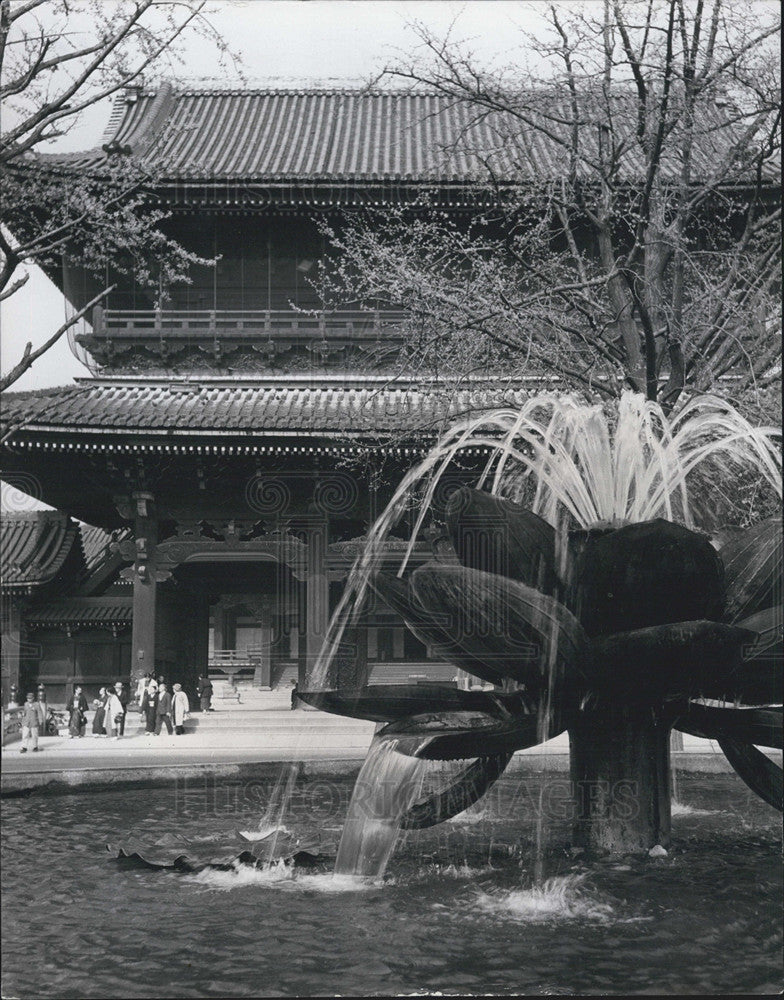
600	609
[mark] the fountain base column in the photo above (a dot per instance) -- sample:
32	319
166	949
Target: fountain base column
620	771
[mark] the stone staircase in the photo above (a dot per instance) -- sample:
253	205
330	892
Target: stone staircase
245	714
243	696
279	733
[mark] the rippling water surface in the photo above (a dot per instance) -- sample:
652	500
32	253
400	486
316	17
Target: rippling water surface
457	911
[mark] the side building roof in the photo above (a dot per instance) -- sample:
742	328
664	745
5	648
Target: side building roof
43	547
35	547
111	611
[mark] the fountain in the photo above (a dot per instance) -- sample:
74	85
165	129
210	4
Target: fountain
573	578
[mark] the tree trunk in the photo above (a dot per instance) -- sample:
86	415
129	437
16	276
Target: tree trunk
620	770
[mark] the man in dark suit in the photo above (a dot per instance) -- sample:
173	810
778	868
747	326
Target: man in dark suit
122	694
163	711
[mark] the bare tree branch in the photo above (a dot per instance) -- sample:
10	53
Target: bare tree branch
29	355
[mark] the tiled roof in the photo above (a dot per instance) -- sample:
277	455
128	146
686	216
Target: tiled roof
83	611
268	137
34	547
266	409
95	545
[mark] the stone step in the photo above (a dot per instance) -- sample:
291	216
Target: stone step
247	696
254	704
310	721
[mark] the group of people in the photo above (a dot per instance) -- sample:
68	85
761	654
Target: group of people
160	708
38	720
111	707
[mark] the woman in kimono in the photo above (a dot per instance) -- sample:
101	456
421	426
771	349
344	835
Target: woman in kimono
77	706
150	704
205	693
180	709
99	704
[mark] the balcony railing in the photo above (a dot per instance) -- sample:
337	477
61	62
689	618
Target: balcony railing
242	324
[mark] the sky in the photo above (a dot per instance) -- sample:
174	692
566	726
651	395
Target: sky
280	42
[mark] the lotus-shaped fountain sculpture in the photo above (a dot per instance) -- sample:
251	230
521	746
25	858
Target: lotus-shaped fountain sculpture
617	632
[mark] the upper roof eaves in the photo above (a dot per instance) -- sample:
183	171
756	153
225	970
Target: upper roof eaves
202	137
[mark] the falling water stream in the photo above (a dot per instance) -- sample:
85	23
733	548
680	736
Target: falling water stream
386	788
271	824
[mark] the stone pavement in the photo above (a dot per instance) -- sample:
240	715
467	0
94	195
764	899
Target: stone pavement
236	743
218	742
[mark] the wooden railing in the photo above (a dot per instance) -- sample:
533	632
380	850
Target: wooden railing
235	657
242	323
231	662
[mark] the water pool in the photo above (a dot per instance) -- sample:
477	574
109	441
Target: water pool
456	912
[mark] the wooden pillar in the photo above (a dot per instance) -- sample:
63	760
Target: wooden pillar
192	641
219	628
350	666
230	628
201	643
145	587
11	647
316	601
262	675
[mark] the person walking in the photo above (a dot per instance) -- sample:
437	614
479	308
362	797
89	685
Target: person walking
32	723
77	721
114	715
119	690
180	709
163	711
99	704
150	704
205	694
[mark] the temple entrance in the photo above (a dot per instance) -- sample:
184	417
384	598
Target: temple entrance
252	615
255	637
